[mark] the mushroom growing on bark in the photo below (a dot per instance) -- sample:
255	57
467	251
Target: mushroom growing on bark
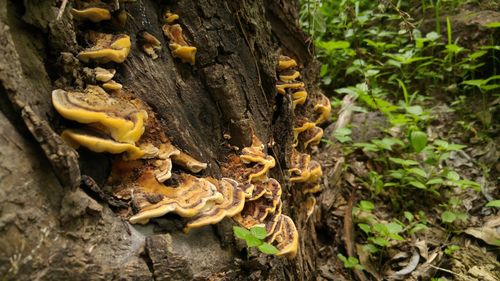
121	118
106	48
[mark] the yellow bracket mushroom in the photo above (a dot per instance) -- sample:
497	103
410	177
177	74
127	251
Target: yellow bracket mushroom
285	62
123	120
98	142
93	14
233	203
106	48
323	108
178	45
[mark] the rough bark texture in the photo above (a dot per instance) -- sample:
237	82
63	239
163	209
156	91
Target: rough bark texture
50	229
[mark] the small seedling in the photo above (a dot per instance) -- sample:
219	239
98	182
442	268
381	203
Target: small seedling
254	238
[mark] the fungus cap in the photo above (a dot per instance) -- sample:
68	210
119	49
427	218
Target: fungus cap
106	48
93	14
99	142
123	120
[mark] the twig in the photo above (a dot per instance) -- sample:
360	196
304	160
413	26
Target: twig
61	9
448	271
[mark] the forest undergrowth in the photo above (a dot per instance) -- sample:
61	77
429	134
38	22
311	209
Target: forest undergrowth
421	152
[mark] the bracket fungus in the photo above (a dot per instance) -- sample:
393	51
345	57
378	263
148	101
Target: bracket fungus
322	107
231	205
287	238
285	62
93	14
112	85
299	97
187	162
289	75
178	45
188	199
312	136
120	117
282	87
104	75
170	17
106	48
150	44
99	142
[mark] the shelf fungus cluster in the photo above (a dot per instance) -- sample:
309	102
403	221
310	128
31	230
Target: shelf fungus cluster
304	171
147	170
262	197
177	41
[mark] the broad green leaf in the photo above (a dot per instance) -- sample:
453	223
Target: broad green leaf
267	248
448	217
370	248
241	232
258	232
404	162
396	237
418	184
333	45
418	227
366	205
415	110
493	24
494	203
379	241
453	176
252	241
409	216
394	227
418	140
418	172
364	227
434	181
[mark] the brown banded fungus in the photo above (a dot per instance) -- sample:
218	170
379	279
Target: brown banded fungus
150	45
288	76
93	14
299	97
311	137
123	121
287	238
231	205
322	108
178	45
256	211
104	75
285	62
188	199
302	125
187	162
282	87
106	48
99	142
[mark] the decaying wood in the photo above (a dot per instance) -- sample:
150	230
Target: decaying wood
229	91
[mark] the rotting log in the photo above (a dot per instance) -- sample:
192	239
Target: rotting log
52	229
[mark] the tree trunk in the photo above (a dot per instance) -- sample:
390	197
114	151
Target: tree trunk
52	229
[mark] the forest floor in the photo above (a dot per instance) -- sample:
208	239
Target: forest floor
416	94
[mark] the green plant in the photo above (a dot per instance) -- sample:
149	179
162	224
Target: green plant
254	238
350	262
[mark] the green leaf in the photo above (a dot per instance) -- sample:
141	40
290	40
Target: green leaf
418	184
252	241
267	248
409	216
241	232
404	162
379	241
418	227
365	228
493	24
370	248
494	203
394	227
366	205
453	176
418	140
434	181
418	172
415	110
448	217
258	232
333	45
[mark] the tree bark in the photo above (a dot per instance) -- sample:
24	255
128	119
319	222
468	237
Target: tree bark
51	229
